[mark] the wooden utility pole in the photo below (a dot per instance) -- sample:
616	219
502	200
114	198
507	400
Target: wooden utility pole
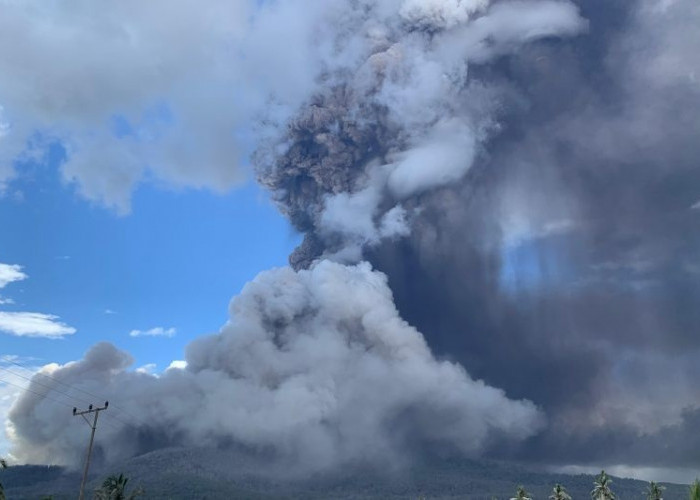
93	426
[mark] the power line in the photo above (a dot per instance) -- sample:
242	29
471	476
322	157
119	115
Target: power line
31	379
53	389
45	396
58	381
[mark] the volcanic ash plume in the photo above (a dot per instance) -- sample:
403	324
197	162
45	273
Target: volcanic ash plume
314	365
398	119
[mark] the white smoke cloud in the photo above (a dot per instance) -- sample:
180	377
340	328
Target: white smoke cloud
446	156
417	73
314	364
666	58
440	14
358	219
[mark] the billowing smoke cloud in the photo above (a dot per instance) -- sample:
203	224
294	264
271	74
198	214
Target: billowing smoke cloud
551	193
316	366
575	243
401	121
523	172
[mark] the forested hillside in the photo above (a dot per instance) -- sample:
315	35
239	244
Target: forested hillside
216	474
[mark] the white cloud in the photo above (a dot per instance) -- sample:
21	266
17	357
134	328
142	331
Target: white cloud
148	369
10	273
177	364
695	206
109	311
70	69
33	324
158	331
27	324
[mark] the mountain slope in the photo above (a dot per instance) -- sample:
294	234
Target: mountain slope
179	473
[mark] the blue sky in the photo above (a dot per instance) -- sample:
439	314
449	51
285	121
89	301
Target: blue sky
174	262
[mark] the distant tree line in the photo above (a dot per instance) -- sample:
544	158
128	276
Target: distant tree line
603	491
114	487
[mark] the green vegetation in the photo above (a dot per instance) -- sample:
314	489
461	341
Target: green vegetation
654	491
601	488
199	473
3	465
521	494
695	490
559	493
114	488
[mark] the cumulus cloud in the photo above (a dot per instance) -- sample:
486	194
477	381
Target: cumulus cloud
315	365
177	364
157	331
163	106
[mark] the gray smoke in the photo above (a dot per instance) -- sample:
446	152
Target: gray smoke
524	173
543	200
403	119
314	366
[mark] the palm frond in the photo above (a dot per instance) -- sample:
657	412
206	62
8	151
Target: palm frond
694	493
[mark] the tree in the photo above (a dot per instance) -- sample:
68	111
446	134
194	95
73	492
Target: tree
694	493
3	465
601	488
654	491
559	493
521	494
114	488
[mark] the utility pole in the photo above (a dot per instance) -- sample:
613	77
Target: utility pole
93	426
